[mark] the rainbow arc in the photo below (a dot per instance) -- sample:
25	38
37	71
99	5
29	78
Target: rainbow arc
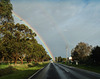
40	38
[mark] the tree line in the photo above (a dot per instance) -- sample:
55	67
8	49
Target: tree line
86	54
17	41
60	59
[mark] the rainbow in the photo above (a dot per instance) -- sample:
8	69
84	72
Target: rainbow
40	38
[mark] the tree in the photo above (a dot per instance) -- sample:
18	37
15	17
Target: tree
2	51
59	59
6	12
17	41
14	38
63	59
95	56
47	57
39	53
81	51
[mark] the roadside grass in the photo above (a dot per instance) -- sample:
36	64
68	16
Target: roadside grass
93	68
3	66
20	71
90	68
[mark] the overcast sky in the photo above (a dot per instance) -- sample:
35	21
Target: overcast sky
62	23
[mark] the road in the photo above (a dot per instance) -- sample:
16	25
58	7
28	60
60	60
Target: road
59	71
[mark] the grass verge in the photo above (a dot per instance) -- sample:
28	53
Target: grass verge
20	71
93	68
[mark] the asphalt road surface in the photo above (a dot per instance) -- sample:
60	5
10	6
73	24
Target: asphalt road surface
59	71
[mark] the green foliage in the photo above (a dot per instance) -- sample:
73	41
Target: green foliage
64	59
18	42
6	11
81	52
60	59
95	56
85	54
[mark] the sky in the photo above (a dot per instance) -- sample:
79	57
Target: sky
62	24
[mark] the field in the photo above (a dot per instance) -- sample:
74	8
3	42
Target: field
19	71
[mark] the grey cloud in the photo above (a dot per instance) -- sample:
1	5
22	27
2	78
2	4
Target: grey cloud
62	24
